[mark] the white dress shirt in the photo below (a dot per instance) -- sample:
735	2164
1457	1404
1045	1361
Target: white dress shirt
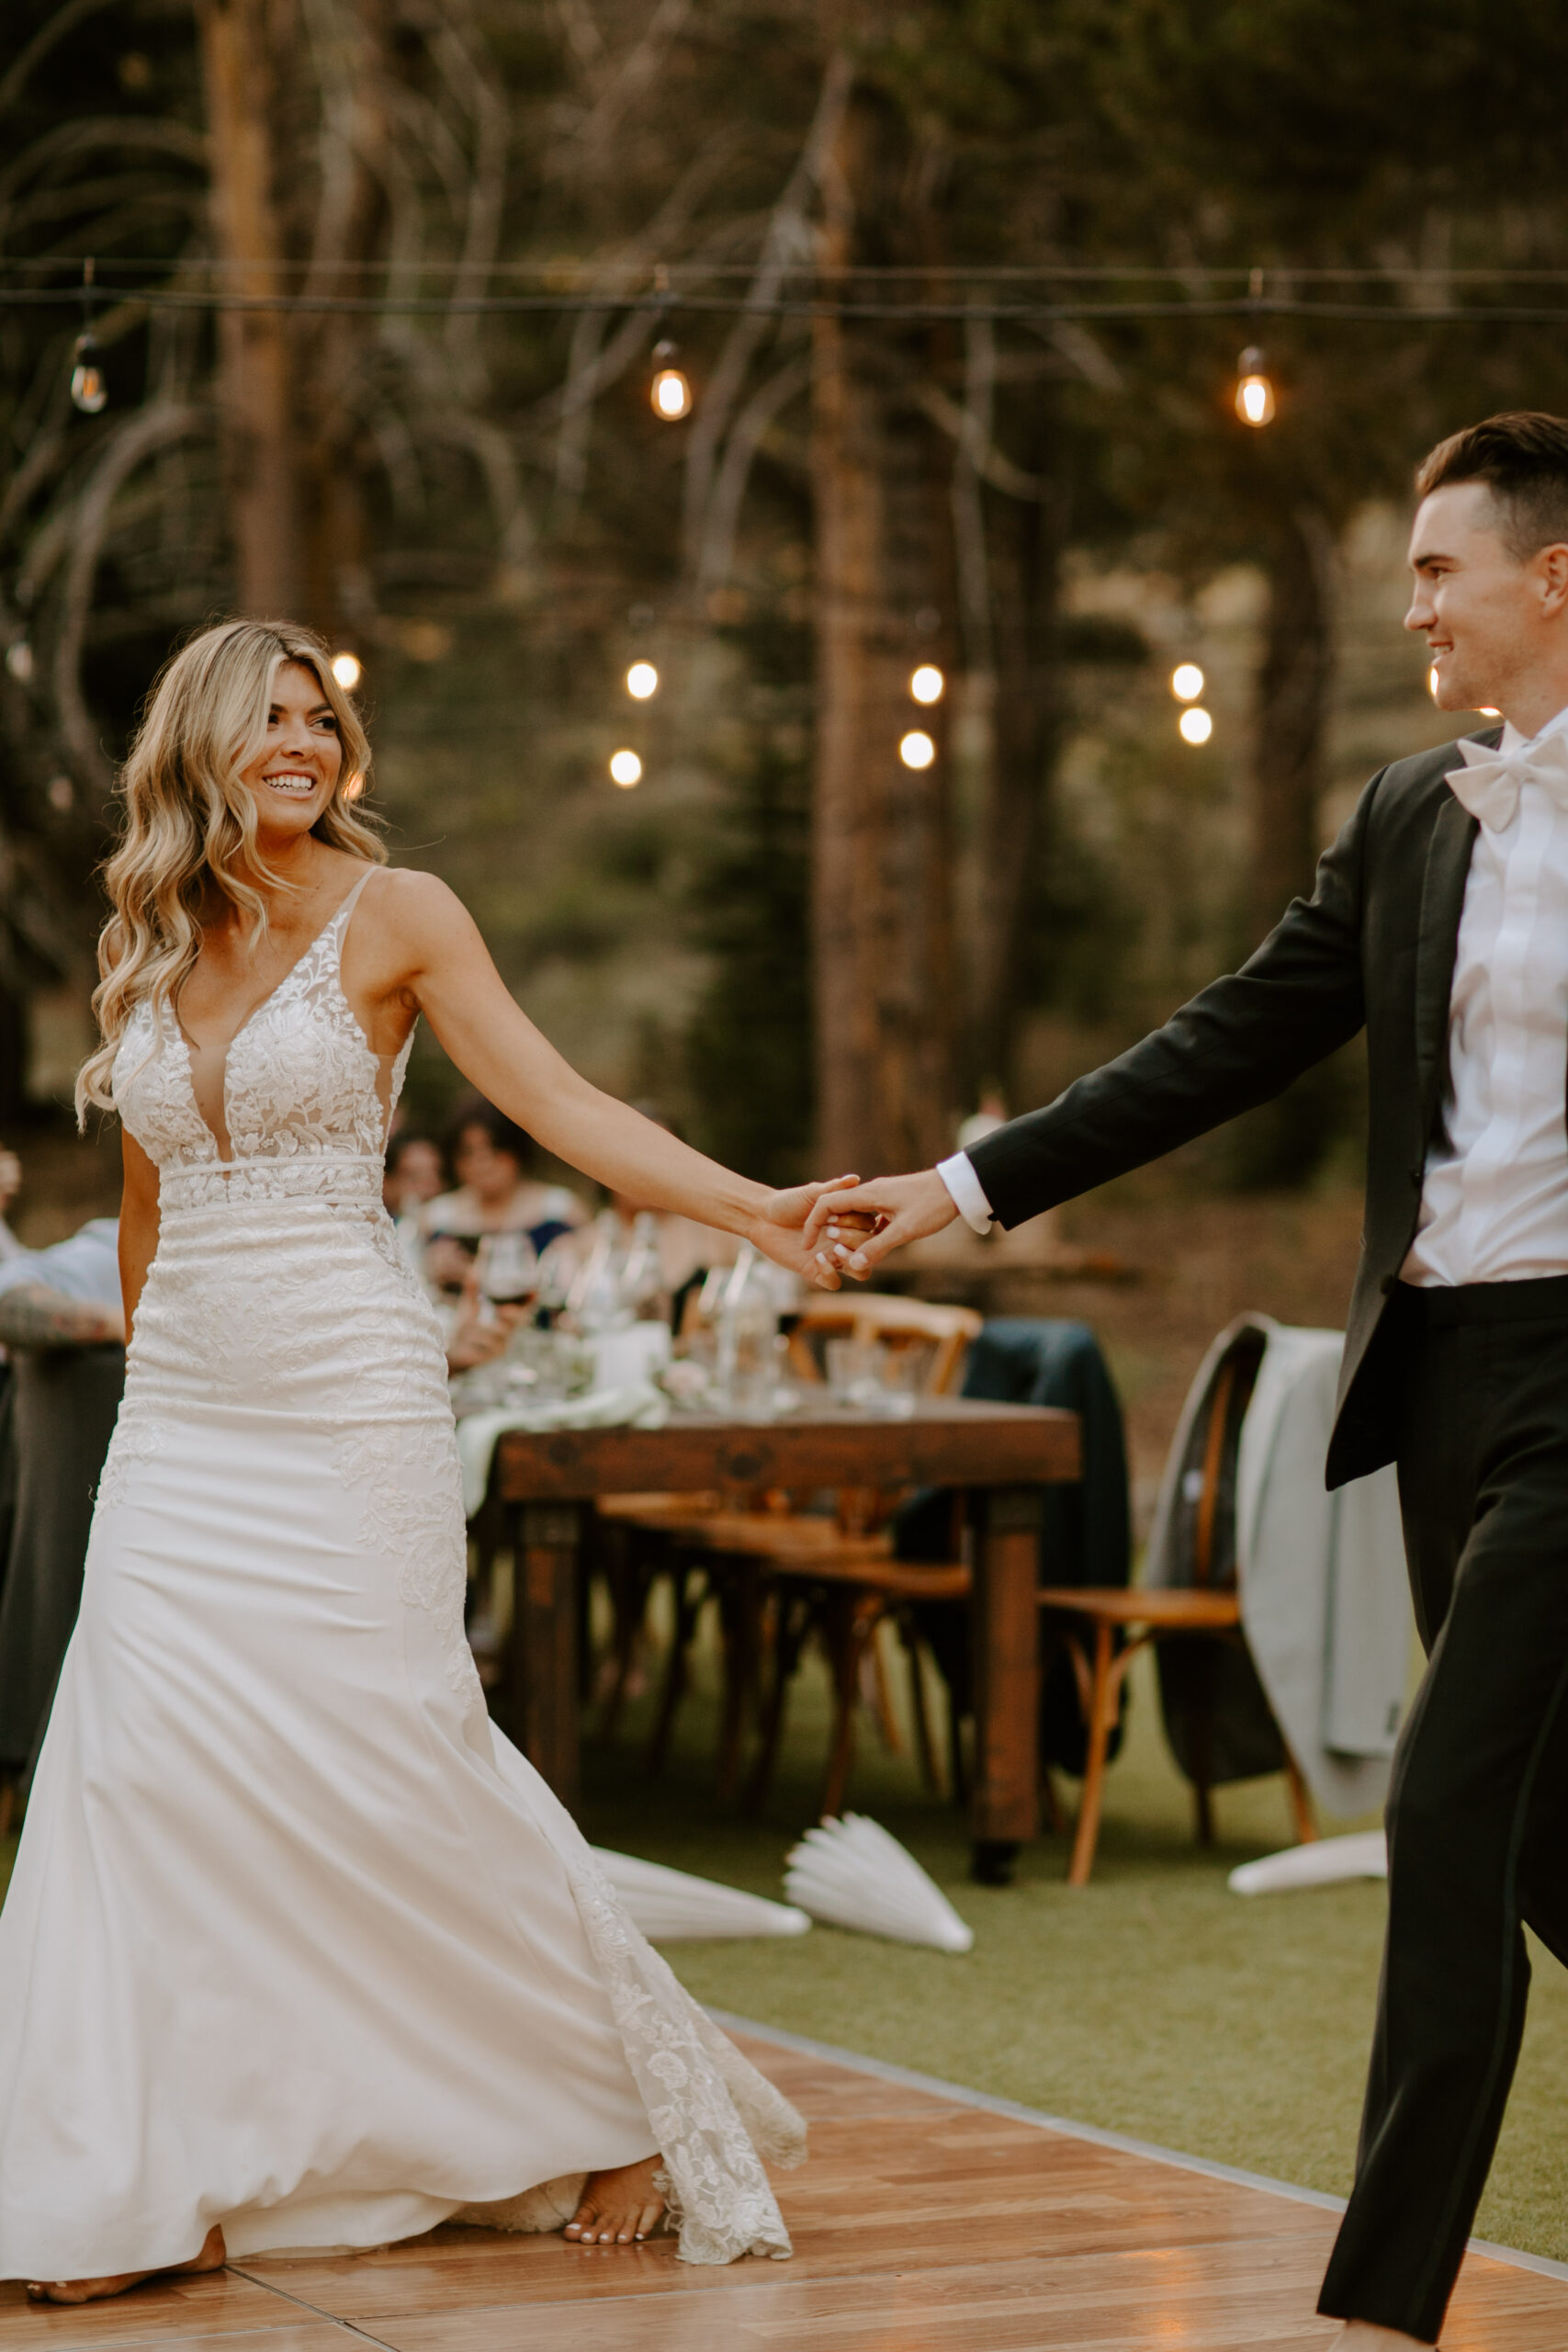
1494	1199
1494	1202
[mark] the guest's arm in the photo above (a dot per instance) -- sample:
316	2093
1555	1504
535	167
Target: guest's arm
138	1223
33	1316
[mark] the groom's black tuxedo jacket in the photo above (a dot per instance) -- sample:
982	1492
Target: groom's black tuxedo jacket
1375	945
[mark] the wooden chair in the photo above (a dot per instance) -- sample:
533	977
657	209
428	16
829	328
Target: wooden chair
836	1588
1122	1622
900	1325
742	1562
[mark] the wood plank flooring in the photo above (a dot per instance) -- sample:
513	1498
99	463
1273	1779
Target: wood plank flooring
920	2224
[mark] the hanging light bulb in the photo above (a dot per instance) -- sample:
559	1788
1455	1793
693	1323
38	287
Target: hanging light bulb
626	769
928	685
917	750
1254	392
347	669
88	389
670	391
1196	726
642	679
1186	682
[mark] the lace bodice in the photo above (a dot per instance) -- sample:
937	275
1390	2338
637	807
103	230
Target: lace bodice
302	1098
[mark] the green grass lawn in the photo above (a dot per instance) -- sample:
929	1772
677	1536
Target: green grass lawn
1153	2002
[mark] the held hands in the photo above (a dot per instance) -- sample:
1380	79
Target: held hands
791	1226
888	1211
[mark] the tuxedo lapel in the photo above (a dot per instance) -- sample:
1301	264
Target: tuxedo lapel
1442	903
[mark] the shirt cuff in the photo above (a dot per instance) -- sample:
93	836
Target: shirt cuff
968	1193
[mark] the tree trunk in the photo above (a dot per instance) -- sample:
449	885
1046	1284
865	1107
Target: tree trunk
882	863
1283	1142
336	590
1290	719
1025	556
255	370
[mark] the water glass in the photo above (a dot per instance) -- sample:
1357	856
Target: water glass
854	1372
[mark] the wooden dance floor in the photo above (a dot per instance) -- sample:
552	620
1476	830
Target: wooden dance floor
922	2223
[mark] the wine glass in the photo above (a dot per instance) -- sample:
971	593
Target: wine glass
508	1269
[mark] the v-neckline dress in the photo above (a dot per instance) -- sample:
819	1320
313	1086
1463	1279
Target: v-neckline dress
296	1940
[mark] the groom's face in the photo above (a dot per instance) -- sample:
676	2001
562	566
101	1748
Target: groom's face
1487	616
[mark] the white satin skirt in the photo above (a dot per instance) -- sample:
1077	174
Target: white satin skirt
296	1942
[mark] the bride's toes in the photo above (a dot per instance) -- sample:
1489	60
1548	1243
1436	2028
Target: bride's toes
83	2291
212	2256
619	2207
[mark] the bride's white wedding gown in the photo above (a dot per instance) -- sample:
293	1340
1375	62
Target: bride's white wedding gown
296	1942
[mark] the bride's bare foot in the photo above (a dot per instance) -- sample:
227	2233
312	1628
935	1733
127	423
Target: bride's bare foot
618	2208
213	2256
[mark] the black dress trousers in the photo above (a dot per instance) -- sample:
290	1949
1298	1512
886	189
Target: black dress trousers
1478	1808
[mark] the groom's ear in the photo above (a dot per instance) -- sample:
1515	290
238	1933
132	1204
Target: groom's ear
1550	566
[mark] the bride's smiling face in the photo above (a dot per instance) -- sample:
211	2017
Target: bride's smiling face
295	773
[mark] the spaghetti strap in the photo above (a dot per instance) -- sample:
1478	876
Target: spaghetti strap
344	914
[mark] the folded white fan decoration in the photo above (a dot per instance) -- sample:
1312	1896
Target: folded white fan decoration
852	1874
671	1907
1325	1862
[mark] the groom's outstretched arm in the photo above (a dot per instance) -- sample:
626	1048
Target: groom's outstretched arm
1238	1044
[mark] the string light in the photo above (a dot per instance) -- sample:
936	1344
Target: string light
88	389
626	769
917	750
669	392
928	685
354	787
1253	393
19	659
1196	726
1186	682
642	679
347	669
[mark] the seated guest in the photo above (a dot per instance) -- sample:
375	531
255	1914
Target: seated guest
61	1322
495	1193
412	1176
10	1185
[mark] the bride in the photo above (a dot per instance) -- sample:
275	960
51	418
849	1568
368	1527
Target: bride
298	1950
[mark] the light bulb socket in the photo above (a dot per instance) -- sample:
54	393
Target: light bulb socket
88	390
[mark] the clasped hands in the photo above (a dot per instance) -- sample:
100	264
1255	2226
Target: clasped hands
840	1227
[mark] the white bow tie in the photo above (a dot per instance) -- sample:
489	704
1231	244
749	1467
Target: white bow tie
1490	782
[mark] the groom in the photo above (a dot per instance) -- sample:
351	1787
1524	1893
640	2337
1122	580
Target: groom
1439	923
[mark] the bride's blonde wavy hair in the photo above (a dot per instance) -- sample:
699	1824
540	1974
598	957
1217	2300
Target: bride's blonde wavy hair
190	823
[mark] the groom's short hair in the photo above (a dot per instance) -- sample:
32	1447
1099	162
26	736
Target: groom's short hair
1522	457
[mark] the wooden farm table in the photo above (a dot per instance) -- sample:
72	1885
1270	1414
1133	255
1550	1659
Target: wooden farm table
1002	1454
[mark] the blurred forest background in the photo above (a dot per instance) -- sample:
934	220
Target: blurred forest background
959	292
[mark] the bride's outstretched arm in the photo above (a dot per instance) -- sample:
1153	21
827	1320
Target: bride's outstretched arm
448	972
138	1222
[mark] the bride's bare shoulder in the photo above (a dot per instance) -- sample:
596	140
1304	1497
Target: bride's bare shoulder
417	911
